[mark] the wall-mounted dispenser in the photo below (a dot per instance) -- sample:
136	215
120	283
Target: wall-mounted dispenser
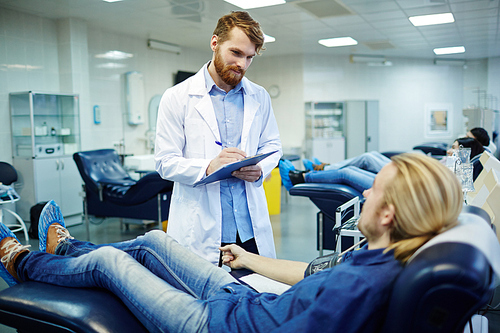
134	86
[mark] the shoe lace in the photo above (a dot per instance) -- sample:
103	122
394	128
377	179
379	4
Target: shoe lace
12	247
62	234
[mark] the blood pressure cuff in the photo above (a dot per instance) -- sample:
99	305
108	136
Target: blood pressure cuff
322	263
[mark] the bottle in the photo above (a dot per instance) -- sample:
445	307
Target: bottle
44	129
53	131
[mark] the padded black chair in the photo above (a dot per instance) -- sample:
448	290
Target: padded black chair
111	192
327	197
435	149
8	176
437	292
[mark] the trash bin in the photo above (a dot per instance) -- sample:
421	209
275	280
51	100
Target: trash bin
272	188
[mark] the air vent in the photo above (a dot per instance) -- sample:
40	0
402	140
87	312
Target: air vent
324	8
379	45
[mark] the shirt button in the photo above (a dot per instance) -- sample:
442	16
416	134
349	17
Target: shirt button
235	210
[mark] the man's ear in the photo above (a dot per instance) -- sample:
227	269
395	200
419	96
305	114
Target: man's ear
213	42
387	215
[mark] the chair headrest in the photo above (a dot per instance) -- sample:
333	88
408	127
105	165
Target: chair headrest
101	165
8	174
475	231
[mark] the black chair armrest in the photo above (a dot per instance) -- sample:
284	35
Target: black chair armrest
322	190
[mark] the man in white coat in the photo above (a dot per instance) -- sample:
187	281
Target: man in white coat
211	119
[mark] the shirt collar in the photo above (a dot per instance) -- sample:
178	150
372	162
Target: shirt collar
364	256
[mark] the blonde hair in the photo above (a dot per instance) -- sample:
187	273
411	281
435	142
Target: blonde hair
427	198
245	22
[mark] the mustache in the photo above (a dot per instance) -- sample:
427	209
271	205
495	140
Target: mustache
236	69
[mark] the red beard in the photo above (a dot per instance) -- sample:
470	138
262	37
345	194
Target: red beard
226	73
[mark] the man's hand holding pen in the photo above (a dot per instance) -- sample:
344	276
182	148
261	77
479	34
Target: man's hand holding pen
228	155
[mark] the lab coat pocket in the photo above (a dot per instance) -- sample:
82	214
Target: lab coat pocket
195	131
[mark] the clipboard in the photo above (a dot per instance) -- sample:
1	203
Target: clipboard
225	171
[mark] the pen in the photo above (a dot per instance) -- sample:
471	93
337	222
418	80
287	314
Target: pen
220	144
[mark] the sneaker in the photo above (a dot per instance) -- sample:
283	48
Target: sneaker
9	250
50	214
285	166
308	164
55	235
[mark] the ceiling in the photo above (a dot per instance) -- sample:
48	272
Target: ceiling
381	27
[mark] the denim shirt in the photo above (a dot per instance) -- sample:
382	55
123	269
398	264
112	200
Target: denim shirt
350	297
229	113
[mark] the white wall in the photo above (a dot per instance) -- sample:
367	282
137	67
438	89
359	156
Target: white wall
402	91
28	61
107	86
34	52
287	73
494	82
58	56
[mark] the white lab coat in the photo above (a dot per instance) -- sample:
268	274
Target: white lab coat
185	144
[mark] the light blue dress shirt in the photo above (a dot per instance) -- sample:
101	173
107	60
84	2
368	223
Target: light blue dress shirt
229	113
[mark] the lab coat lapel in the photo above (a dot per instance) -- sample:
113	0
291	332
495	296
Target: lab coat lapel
206	109
250	107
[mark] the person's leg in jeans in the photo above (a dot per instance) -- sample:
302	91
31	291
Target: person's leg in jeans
155	300
352	176
149	250
372	161
153	251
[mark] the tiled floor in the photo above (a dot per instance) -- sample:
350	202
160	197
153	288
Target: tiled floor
294	233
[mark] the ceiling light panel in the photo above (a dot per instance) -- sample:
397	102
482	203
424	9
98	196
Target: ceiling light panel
246	4
269	39
339	41
115	55
433	19
449	50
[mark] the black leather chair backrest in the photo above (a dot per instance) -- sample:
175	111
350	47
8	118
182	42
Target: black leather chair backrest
440	290
434	148
477	167
327	197
8	174
101	166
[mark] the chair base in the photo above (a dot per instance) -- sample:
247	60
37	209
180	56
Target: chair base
15	227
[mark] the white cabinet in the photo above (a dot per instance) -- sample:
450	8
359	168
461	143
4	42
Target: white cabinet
339	130
325	131
45	134
361	127
44	179
56	180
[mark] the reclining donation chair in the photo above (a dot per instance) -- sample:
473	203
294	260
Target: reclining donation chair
111	192
444	284
327	197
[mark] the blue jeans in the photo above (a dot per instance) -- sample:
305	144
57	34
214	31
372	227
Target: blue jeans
352	176
372	161
161	282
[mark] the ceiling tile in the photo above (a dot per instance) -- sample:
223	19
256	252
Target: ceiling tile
373	7
428	10
474	5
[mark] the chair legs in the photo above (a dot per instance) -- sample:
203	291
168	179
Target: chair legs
86	213
17	227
